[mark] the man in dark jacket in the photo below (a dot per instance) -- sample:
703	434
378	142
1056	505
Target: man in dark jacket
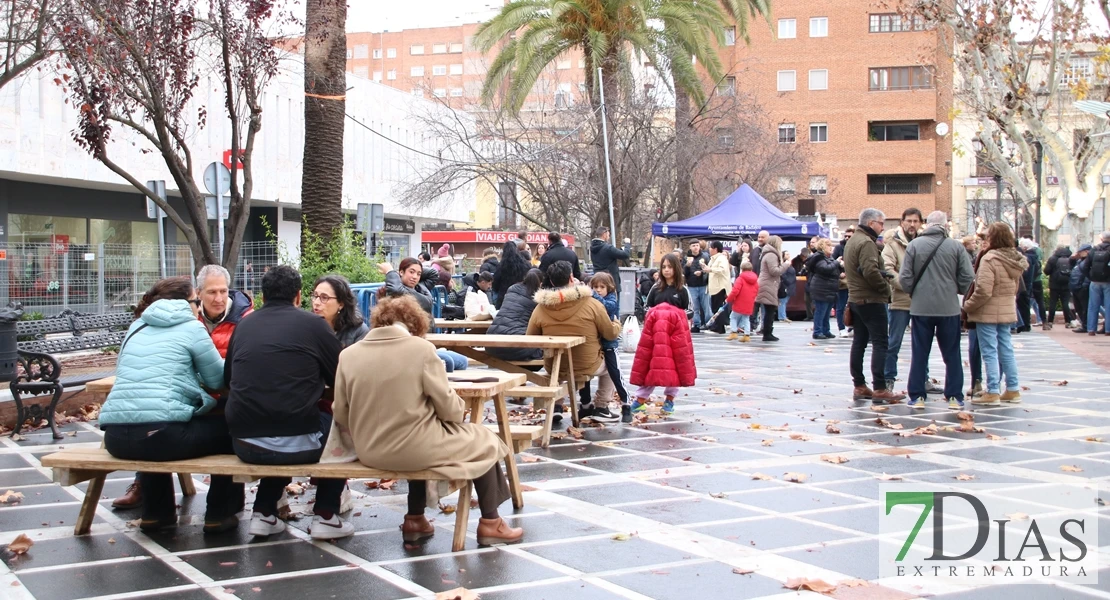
556	251
1097	269
842	293
278	364
490	263
1058	270
1080	285
1027	297
696	270
605	256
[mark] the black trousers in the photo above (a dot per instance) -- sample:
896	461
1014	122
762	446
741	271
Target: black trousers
1023	312
770	313
716	301
870	324
492	489
202	436
1080	298
1061	296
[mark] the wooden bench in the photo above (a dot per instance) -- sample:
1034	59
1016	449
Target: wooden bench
543	396
76	465
527	363
523	436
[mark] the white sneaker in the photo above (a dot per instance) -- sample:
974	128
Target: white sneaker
844	333
330	529
263	525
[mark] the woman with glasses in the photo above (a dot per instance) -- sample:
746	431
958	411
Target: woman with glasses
333	299
159	408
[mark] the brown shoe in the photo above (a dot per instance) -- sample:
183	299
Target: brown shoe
987	399
862	392
416	528
880	396
132	498
497	531
1010	396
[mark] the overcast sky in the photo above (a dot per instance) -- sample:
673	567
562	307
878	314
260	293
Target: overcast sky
394	15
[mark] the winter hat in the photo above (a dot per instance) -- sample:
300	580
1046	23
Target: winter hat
444	250
1086	247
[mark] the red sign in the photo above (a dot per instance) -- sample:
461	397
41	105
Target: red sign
227	159
60	244
485	237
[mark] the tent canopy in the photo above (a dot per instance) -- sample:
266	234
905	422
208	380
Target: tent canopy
743	213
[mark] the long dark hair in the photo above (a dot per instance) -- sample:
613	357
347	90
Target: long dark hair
678	281
170	288
532	282
347	316
513	267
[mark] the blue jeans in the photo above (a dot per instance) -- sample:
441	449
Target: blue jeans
821	312
782	308
841	306
699	302
998	351
453	360
897	321
947	331
1099	299
740	323
975	357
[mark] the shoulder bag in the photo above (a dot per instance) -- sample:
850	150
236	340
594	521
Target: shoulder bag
925	267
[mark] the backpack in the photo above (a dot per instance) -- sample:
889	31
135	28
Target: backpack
1075	280
1062	275
1100	263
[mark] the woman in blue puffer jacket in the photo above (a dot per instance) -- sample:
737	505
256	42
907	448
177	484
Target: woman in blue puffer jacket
159	411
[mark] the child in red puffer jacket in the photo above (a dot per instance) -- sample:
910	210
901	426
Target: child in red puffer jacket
665	354
742	300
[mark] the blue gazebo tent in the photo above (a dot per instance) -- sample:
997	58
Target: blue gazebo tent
743	213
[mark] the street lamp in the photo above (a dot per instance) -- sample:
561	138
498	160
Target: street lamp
1038	170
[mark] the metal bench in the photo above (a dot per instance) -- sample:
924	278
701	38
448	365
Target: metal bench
40	373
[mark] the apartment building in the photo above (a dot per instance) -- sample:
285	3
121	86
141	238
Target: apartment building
868	90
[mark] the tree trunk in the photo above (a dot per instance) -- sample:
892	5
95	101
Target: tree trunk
325	84
683	133
611	88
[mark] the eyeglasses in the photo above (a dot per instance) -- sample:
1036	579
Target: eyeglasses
194	301
324	298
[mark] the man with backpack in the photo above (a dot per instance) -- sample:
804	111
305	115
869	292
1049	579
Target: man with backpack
1098	270
1058	270
1079	286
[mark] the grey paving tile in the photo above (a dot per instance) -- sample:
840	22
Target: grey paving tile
474	570
349	583
693	510
706	580
797	498
74	550
606	554
84	581
579	590
619	492
771	533
253	561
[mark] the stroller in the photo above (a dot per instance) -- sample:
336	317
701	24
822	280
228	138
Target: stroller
646	281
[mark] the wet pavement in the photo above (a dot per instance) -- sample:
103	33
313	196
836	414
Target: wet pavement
666	510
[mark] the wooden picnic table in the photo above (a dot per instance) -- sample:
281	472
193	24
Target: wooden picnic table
474	393
556	346
476	326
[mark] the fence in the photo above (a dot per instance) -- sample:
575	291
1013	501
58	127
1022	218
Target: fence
49	278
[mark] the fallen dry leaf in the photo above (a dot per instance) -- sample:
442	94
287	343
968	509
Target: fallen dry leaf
799	436
964	477
812	344
965	416
718	495
229	563
111	540
991	436
622	537
741	571
879	408
1070	469
830	428
1025	388
885	477
529	458
1060	383
853	583
459	593
745	416
814	585
11	497
708	439
762	476
20	545
574	432
795	477
1090	439
717	390
797	391
447	508
835	459
767	443
1018	516
294	489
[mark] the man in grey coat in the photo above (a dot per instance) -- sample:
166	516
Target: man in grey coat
936	270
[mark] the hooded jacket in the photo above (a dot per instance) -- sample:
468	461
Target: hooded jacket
665	354
512	319
894	252
156	375
824	277
996	287
605	256
945	278
695	267
490	265
742	296
862	263
770	276
556	253
1032	275
613	309
239	305
1058	269
572	310
718	274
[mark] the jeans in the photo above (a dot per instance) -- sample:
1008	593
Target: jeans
821	312
1063	297
782	308
841	306
270	489
870	328
1099	299
740	323
998	351
699	303
898	321
975	356
454	360
202	436
947	331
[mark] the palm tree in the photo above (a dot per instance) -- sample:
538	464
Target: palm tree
533	33
741	12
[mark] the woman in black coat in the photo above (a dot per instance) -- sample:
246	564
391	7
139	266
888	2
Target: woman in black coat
512	318
511	271
824	283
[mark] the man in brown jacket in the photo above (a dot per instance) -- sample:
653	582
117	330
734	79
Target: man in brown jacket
894	250
868	296
568	308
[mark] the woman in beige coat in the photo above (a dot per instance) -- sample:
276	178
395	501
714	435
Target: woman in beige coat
770	277
992	309
392	392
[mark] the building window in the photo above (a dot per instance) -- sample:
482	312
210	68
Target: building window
349	54
725	139
818	132
391	74
818	185
456	49
562	99
361	51
377	53
439	48
391	53
818	27
416	71
786	185
788	29
730	36
894	23
898	184
439	69
582	86
582	63
362	71
456	69
893	132
378	76
1079	69
439	92
418	92
456	92
507	201
819	79
885	79
787	133
787	81
727	87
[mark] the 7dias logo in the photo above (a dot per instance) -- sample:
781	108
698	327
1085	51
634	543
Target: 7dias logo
989	532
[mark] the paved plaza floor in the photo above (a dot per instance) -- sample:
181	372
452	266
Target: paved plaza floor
667	510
